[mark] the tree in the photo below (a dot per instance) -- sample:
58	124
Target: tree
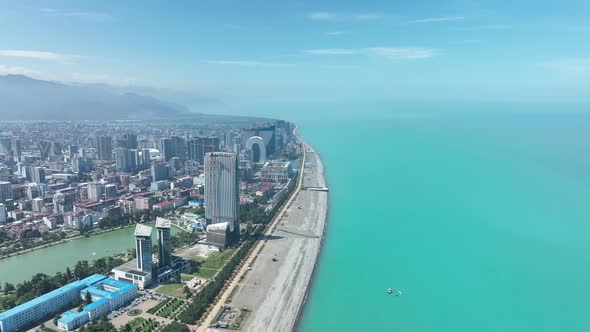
8	287
56	318
88	298
175	327
187	292
68	274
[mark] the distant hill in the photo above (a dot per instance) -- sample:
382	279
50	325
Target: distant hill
25	98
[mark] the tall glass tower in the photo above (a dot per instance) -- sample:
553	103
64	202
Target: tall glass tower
222	199
143	247
164	244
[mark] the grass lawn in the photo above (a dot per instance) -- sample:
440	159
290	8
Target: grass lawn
205	273
207	267
216	260
172	289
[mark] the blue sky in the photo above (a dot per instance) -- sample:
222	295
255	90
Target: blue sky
308	50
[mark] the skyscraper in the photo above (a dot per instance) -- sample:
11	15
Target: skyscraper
145	158
172	147
143	247
73	150
104	147
222	192
5	191
5	146
164	243
38	175
159	172
16	147
122	157
131	141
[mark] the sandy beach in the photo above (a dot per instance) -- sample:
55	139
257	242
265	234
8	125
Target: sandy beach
275	288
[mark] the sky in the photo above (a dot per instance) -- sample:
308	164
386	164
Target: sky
308	50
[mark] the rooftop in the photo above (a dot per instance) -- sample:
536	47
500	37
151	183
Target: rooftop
79	284
131	267
222	226
162	222
143	230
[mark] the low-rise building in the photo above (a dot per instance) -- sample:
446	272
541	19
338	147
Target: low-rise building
44	306
276	171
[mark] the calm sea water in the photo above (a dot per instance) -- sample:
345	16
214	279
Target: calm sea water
482	220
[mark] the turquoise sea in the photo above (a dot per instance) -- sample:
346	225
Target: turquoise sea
480	218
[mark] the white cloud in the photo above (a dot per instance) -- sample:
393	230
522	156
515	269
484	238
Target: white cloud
403	52
333	16
40	55
80	15
16	70
438	19
398	53
333	51
247	63
322	16
486	27
334	33
576	66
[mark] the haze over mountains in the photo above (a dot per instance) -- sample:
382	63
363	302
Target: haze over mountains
25	98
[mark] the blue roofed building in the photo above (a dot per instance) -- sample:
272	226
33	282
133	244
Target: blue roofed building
44	306
107	295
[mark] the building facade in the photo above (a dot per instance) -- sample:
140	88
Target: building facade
104	147
222	192
164	242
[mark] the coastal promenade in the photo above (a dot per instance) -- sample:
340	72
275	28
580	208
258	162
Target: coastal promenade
275	287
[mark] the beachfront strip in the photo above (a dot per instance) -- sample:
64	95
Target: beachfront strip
106	294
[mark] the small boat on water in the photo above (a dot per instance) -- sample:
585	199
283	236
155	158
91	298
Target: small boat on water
389	291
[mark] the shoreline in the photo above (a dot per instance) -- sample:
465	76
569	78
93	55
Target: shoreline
62	241
276	288
311	281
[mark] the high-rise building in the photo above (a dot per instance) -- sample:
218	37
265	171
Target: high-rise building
143	247
16	147
110	190
3	213
222	198
38	204
131	141
59	203
95	191
5	146
81	165
38	175
49	149
164	243
73	150
159	172
123	163
198	147
5	191
172	147
145	158
134	159
104	147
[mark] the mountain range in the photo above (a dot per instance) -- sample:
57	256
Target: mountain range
26	98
